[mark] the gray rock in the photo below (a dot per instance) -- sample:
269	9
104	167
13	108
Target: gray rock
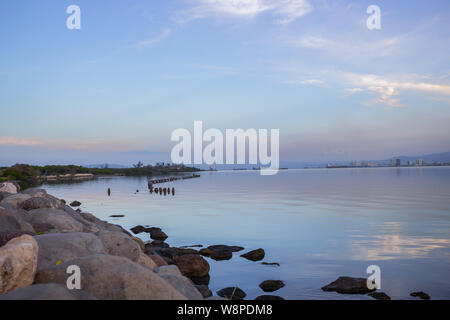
10	187
113	278
14	221
35	192
41	203
172	270
13	202
63	247
50	291
183	285
9	223
4	195
119	244
60	220
5	237
349	285
18	261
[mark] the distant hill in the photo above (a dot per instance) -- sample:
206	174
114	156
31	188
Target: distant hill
110	165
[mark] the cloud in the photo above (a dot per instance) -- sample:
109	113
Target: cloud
387	89
286	10
162	36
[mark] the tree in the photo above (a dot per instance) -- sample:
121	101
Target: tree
138	165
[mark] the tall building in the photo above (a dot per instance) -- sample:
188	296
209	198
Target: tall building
398	162
419	162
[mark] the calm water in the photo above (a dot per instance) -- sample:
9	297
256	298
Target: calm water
317	223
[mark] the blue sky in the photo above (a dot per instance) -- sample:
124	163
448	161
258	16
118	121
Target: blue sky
116	89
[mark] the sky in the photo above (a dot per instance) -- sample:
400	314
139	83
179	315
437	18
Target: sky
114	90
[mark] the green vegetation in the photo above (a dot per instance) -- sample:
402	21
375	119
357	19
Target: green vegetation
28	176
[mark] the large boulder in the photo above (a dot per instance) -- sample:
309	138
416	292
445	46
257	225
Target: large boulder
4	195
13	202
18	261
192	265
113	278
50	291
5	237
41	203
119	244
146	261
102	225
61	247
183	285
61	221
349	285
88	226
35	192
10	187
12	221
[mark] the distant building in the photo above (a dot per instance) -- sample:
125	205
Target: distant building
372	164
419	162
392	162
355	164
410	163
398	162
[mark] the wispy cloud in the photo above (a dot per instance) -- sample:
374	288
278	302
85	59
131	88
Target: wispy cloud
286	10
160	37
388	89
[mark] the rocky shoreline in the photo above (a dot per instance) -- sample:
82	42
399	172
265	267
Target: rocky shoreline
42	240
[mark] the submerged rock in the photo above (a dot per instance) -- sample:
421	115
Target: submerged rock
379	296
232	293
349	285
270	264
421	295
254	255
75	203
271	285
268	297
219	255
18	262
225	247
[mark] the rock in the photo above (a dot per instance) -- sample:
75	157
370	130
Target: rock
41	203
157	234
193	246
60	220
51	291
271	285
219	255
204	290
172	270
421	295
119	244
205	252
349	285
117	216
10	187
158	260
216	298
268	297
270	264
183	285
5	237
14	201
379	296
225	247
158	244
41	227
75	203
138	229
8	223
201	280
146	261
232	293
15	221
192	265
4	195
140	243
170	255
54	247
255	255
90	218
18	261
113	278
35	192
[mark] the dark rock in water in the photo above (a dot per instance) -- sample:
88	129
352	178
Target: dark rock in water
75	204
78	210
204	290
172	254
255	255
205	252
268	297
117	216
193	246
232	293
349	285
271	285
192	265
157	234
219	255
5	237
201	280
220	247
379	296
158	244
271	264
421	295
63	201
138	229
